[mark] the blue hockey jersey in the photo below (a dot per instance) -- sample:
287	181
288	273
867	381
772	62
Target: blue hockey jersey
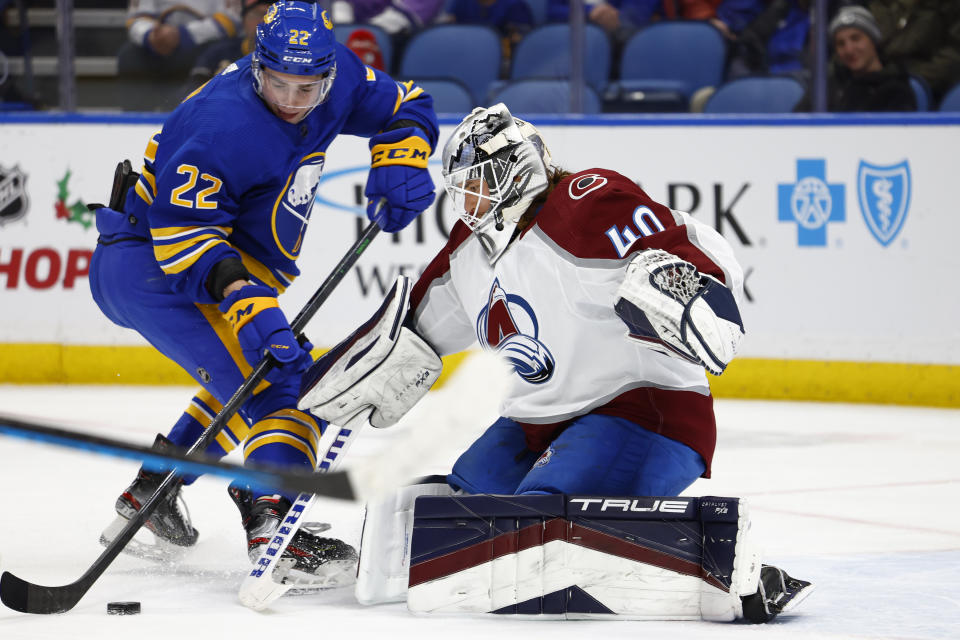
225	177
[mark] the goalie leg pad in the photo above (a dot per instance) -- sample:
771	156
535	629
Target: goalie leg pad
382	369
385	542
577	557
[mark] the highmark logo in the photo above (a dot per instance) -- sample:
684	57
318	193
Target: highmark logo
811	202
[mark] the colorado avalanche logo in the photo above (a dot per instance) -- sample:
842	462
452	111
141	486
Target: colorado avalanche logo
292	210
508	326
585	184
884	198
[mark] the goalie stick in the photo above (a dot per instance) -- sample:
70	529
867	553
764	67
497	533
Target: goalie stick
26	597
261	586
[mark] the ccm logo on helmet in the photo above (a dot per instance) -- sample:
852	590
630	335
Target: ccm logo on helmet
297	59
625	504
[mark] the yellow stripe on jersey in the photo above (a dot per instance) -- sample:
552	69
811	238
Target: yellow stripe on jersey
411	91
400	94
166	251
287	426
371	74
229	341
195	91
150	153
187	260
141	191
204	408
262	273
147	176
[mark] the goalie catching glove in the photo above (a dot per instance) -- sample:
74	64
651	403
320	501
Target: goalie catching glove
378	372
670	307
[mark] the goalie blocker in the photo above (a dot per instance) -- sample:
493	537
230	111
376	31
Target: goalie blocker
573	557
378	372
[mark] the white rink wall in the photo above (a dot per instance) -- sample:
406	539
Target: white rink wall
845	227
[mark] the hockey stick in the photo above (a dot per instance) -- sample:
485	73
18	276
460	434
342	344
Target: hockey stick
259	588
26	597
330	486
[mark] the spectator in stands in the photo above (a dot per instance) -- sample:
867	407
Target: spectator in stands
859	80
617	17
221	53
364	44
924	37
167	36
512	19
774	42
730	17
399	18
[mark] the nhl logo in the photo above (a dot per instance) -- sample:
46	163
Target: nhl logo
13	194
884	194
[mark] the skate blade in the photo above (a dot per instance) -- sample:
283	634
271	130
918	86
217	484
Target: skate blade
159	551
797	598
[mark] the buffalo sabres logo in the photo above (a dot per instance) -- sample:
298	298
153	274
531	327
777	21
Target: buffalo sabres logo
508	326
291	214
884	198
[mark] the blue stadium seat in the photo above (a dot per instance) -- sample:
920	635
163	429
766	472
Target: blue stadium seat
545	53
921	91
539	10
951	101
342	31
663	64
449	96
465	52
756	95
543	96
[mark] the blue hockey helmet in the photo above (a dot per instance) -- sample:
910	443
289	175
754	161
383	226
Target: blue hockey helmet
296	37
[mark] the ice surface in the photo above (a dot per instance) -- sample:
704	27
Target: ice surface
862	500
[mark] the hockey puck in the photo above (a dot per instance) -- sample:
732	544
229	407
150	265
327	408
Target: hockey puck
123	608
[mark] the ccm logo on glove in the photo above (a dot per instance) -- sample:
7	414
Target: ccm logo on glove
412	151
244	309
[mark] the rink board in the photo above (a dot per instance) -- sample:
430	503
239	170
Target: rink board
845	228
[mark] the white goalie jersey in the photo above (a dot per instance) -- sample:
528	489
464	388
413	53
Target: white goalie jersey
547	307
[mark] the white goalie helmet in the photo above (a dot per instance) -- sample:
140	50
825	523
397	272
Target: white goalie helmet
494	165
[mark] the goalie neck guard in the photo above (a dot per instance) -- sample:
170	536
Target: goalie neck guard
295	39
494	165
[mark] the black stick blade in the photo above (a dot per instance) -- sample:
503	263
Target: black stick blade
22	596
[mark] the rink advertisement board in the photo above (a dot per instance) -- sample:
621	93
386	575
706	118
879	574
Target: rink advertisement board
845	228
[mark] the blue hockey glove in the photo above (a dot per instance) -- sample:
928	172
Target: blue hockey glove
260	326
398	173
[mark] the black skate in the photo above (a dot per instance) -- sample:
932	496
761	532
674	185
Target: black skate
169	523
776	594
309	562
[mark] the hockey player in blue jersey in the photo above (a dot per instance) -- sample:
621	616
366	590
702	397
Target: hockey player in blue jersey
210	233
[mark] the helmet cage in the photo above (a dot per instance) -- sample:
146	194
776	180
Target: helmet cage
496	160
296	38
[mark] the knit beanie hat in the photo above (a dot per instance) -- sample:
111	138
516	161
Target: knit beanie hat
857	17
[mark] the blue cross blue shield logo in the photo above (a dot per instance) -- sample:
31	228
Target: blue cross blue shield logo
811	202
884	194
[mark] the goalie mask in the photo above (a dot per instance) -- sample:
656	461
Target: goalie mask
294	62
494	165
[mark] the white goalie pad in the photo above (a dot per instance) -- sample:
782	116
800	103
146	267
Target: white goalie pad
380	371
575	557
670	307
384	567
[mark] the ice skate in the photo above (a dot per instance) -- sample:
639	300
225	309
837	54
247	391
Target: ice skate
309	562
777	593
173	533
